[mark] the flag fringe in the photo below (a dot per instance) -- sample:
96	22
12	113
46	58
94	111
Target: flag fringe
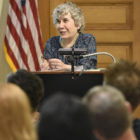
9	60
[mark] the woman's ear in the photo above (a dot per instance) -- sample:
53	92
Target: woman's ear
78	29
79	26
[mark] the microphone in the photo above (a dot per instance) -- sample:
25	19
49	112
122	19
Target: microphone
99	53
72	51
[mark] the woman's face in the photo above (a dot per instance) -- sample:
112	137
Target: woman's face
66	27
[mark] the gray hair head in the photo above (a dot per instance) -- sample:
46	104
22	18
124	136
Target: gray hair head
110	116
76	14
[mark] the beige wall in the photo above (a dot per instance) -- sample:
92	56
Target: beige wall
1	3
4	67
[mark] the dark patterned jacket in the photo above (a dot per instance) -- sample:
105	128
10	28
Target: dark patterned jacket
83	41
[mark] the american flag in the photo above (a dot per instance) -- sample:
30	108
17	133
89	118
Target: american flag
23	43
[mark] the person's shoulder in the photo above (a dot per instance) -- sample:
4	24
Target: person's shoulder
54	38
136	121
53	41
136	124
86	35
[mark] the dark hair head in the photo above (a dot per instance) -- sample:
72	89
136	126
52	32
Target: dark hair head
64	117
125	75
30	83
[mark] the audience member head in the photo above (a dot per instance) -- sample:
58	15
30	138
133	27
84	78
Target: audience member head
64	117
73	10
31	84
15	114
125	75
110	116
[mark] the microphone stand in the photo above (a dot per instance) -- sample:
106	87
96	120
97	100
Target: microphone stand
72	61
74	54
78	53
100	53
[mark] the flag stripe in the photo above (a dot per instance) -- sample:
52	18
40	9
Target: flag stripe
32	47
11	54
14	48
30	35
33	29
16	9
18	42
35	15
27	36
23	35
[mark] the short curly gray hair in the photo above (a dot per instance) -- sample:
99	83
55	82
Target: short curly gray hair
76	13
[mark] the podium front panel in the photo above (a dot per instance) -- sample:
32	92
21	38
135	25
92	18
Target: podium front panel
64	82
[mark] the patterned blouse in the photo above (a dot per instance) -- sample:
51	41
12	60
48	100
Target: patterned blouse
83	41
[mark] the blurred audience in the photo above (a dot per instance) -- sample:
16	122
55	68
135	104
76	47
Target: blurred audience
111	114
125	75
15	114
64	117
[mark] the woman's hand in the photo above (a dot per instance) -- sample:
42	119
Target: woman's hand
45	65
57	64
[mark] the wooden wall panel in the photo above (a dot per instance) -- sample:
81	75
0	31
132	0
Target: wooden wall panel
108	16
111	22
44	14
118	50
100	1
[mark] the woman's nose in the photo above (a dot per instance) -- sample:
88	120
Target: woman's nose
61	24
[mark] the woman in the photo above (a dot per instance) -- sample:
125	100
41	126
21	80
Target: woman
69	22
15	114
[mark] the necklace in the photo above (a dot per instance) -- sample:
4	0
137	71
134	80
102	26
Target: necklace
69	44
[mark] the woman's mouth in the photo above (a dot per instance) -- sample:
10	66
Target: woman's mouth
62	32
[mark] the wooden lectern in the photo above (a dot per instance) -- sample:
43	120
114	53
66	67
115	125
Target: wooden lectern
58	81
